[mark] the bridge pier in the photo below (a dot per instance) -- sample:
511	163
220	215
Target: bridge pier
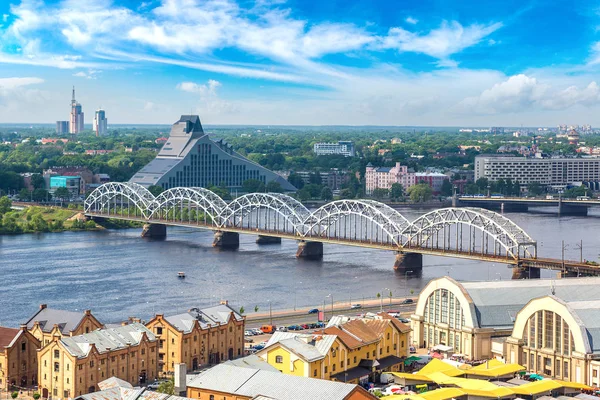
569	209
309	250
520	272
408	262
262	239
514	207
226	240
154	231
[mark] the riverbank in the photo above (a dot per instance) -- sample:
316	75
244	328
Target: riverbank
38	219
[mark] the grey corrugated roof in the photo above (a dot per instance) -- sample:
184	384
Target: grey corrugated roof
236	380
252	361
113	382
301	348
213	316
67	321
105	339
588	313
320	343
496	303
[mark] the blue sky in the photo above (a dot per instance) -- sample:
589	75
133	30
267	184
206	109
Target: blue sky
354	62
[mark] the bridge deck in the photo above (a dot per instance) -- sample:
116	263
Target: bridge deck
544	263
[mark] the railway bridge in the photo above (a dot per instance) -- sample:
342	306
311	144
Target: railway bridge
469	233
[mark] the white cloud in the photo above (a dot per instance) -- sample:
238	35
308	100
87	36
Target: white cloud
16	95
208	89
90	74
595	54
522	93
449	38
210	103
411	20
5	17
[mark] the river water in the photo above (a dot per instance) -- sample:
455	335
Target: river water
118	274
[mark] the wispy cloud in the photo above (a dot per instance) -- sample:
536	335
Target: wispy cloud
411	20
450	38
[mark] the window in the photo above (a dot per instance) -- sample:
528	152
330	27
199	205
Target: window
87	329
373	353
354	361
342	364
333	368
566	370
279	359
56	353
172	340
23	346
158	330
315	373
212	397
326	369
143	351
91	363
67	367
66	394
56	367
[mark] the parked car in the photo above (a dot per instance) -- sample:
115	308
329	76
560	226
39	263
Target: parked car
248	333
407	301
282	329
257	331
412	350
304	326
355	306
313	311
404	320
258	347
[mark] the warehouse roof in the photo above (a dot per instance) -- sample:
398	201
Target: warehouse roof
107	339
251	383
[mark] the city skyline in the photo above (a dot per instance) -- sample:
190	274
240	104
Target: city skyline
277	62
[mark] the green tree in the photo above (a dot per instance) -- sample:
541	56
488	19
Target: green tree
255	308
420	193
315	178
326	194
37	181
347	194
274	187
14	395
40	195
397	191
62	193
155	190
472	188
24	194
221	191
380	193
446	189
242	310
39	224
304	194
5	205
296	180
253	186
167	387
482	183
36	396
535	189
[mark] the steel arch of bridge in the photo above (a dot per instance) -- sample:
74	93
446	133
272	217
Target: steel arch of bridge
240	211
358	221
192	198
424	232
336	215
100	199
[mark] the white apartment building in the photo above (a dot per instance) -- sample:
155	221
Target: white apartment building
345	148
546	171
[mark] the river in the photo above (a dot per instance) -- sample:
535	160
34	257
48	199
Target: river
118	274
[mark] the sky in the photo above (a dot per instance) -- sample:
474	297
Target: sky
303	62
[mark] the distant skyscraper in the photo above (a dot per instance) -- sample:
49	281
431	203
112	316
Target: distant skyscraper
62	127
100	122
76	121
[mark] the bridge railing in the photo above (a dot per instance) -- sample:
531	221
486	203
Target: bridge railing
461	230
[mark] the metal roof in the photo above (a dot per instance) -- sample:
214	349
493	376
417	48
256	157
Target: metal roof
496	303
213	316
67	321
252	361
107	339
246	382
316	343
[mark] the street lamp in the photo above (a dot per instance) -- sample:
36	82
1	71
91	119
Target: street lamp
381	298
330	295
406	282
270	314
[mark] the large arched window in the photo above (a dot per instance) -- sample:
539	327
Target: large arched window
546	329
443	307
